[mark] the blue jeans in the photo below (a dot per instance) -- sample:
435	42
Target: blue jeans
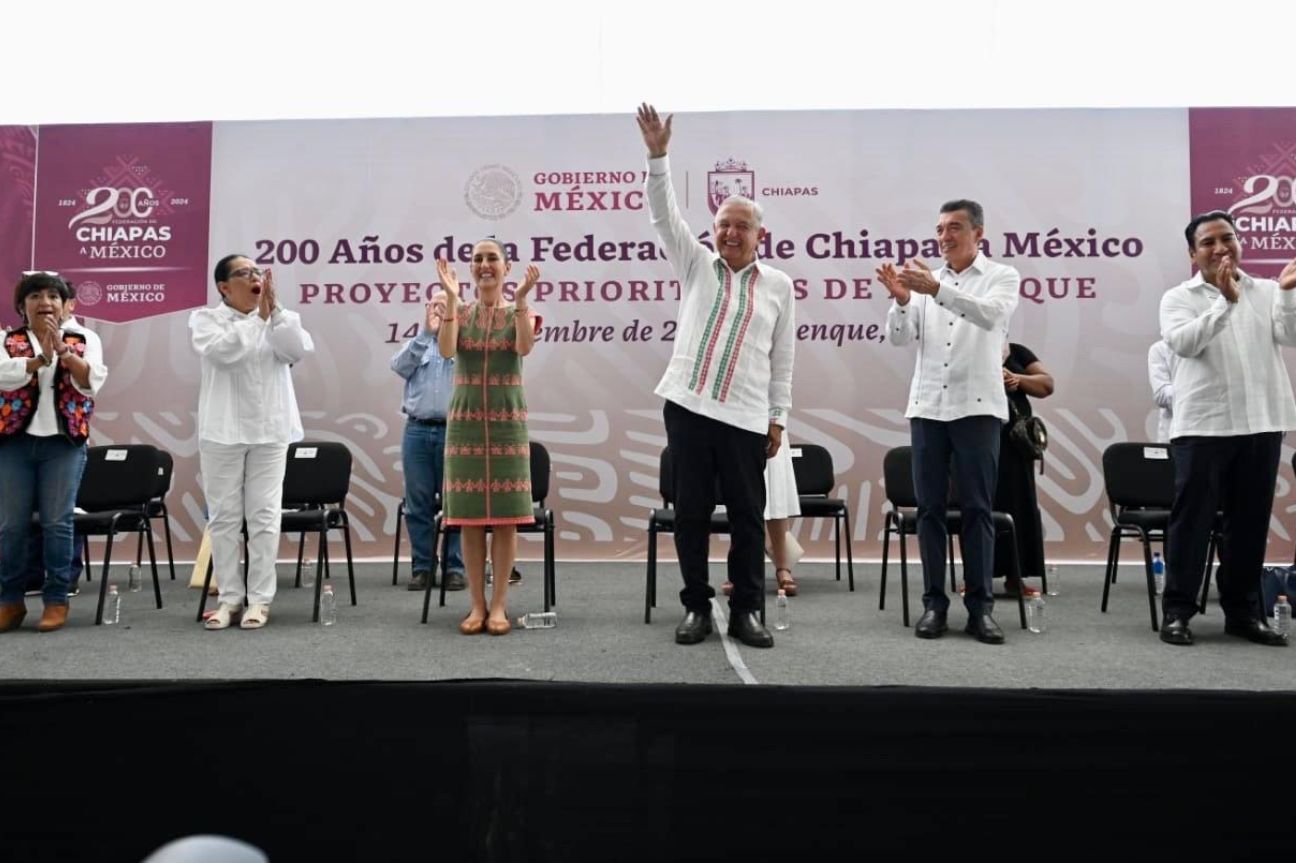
971	446
35	579
423	460
40	473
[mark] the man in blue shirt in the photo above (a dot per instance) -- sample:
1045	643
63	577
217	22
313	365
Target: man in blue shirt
429	381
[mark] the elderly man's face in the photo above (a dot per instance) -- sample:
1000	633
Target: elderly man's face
1215	242
959	241
736	234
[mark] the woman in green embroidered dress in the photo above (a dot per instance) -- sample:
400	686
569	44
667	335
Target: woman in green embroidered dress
487	454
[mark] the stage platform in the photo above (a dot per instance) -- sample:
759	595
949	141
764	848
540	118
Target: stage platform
384	739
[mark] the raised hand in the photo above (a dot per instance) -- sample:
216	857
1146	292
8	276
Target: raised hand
528	282
1287	278
656	133
890	280
266	303
449	282
1226	276
917	277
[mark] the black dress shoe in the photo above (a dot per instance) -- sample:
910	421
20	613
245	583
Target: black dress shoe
1256	630
931	625
747	628
1174	630
983	628
695	627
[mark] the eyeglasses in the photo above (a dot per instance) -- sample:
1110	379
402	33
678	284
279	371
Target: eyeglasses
246	272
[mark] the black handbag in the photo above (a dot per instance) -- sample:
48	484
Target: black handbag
1027	433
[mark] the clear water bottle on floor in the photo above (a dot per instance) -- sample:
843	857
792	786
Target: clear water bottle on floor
1035	615
1054	580
782	611
538	620
134	579
328	606
112	607
1158	572
1282	616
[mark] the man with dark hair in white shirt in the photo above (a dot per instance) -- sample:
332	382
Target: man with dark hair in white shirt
1232	404
728	390
958	315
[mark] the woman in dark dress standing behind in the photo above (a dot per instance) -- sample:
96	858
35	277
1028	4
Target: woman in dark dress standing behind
1024	378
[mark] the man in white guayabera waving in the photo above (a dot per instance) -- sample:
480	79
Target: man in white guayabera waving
1232	404
958	316
728	390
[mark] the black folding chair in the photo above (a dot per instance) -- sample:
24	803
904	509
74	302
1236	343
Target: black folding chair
116	488
157	509
1139	478
816	481
317	478
543	524
902	521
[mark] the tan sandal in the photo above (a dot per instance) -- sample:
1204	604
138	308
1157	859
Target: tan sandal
255	617
222	617
788	585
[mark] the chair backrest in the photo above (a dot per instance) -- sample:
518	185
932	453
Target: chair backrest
539	473
166	465
118	477
813	467
1139	474
317	473
897	473
665	473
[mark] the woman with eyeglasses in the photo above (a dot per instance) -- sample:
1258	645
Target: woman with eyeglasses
49	376
488	452
247	416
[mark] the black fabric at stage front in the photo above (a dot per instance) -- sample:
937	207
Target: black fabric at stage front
494	770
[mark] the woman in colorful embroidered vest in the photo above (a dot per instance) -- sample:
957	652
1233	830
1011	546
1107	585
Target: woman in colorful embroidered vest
488	453
48	379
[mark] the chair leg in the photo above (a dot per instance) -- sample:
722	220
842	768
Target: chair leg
346	542
157	586
321	568
949	535
1017	575
886	545
650	575
166	532
445	552
400	514
837	541
904	576
1109	574
1151	582
427	583
103	583
850	558
301	554
85	558
550	598
1210	566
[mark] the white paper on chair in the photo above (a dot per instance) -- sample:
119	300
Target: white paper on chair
306	452
115	455
1156	453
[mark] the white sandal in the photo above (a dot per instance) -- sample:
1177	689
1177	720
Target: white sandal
255	617
224	615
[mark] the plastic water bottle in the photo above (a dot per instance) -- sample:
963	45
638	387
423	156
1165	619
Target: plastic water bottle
133	579
328	606
538	620
112	607
782	611
1158	572
1035	615
1054	581
1282	616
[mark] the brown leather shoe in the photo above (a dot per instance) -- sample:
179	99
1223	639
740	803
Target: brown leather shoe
499	627
54	617
11	615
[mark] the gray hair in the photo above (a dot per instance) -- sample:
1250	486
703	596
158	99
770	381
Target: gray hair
976	215
757	210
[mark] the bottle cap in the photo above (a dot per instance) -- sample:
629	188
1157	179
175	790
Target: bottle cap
782	592
1282	597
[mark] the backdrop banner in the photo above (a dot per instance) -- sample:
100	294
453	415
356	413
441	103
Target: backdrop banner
1089	205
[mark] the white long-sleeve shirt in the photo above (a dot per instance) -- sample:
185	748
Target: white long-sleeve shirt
14	374
960	333
1231	379
1162	362
736	337
247	392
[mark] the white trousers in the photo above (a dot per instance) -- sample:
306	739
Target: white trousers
243	482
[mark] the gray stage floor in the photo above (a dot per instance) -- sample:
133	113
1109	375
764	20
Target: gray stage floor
836	638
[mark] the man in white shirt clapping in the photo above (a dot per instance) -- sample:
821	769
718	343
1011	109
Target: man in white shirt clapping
728	390
958	316
1232	404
